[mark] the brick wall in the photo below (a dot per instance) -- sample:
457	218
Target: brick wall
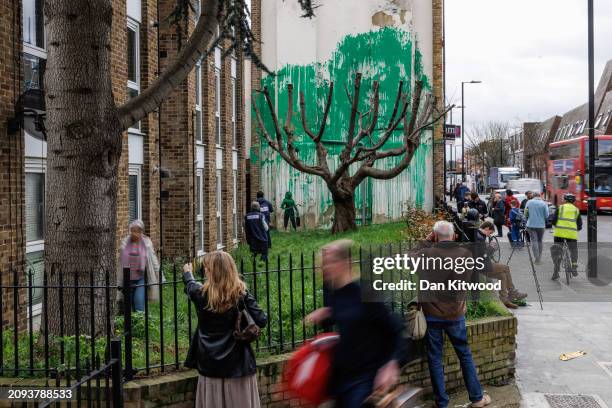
438	89
12	240
178	150
492	341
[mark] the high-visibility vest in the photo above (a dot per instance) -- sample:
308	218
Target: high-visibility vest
567	227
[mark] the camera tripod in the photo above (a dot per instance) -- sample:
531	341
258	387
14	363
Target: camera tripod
526	241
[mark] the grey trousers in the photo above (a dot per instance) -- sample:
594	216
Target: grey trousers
536	235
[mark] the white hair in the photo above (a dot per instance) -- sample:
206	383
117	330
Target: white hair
444	230
536	194
136	224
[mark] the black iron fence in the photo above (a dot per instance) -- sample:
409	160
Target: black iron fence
43	343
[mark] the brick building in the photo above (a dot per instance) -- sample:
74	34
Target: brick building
187	156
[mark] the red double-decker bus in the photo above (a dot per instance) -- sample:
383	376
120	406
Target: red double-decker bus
568	172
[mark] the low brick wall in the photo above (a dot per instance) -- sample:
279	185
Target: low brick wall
492	340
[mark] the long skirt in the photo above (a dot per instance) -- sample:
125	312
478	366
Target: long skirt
227	392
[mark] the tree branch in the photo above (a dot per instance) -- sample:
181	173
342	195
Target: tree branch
200	44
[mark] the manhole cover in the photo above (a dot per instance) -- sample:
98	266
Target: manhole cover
571	401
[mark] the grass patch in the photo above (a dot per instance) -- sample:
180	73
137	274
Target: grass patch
287	288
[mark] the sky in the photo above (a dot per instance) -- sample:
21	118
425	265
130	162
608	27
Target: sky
531	56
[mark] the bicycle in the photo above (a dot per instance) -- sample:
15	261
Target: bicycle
566	262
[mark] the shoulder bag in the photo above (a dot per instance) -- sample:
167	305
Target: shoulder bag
246	329
416	325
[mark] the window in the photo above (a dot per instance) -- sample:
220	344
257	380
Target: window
582	126
35	206
133	61
235	205
598	120
218	95
33	72
199	212
234	134
606	119
134	194
218	206
33	23
198	103
35	227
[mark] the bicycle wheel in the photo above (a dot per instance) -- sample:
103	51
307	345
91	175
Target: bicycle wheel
494	248
567	264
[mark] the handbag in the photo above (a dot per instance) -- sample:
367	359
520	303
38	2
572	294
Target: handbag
307	373
246	329
416	325
297	221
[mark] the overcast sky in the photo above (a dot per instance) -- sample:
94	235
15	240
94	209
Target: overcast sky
530	54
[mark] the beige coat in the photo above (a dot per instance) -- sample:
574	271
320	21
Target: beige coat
152	269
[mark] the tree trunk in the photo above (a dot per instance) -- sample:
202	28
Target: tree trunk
344	210
84	147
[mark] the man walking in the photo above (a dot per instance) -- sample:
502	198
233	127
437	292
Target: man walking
256	231
528	196
536	212
567	222
371	349
266	209
445	314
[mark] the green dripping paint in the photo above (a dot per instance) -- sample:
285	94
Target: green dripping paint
387	55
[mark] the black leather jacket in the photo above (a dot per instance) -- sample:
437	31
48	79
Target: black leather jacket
213	349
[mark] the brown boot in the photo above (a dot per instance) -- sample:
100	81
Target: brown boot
516	295
509	304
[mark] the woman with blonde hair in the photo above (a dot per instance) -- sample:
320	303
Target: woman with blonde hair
226	364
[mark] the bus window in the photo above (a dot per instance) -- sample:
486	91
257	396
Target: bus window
561	182
566	151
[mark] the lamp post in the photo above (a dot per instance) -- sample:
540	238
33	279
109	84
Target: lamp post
592	203
463	126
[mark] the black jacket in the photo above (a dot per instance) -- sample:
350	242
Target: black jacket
266	208
479	205
213	349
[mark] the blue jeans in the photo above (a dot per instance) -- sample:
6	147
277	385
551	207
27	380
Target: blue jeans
457	334
352	395
138	294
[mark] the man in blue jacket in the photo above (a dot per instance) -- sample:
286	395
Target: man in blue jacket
536	212
256	231
266	209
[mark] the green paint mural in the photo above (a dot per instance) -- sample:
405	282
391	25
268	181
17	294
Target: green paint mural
387	55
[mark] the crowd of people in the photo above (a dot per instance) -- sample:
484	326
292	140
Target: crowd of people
373	346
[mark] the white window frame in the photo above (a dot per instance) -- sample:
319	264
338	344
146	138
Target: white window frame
198	132
218	98
200	216
234	111
134	25
136	170
34	49
235	205
218	204
38	166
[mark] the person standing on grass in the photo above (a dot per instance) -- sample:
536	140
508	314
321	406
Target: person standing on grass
536	212
137	255
256	231
445	315
226	365
266	209
371	349
290	210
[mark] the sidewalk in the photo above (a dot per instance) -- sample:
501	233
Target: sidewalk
506	396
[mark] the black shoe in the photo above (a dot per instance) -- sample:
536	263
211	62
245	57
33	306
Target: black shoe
555	275
574	272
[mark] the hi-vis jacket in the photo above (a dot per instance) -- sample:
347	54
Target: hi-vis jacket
567	222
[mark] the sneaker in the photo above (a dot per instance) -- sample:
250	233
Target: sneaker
516	295
486	400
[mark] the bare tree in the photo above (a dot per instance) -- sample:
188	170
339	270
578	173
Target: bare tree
488	145
84	136
364	145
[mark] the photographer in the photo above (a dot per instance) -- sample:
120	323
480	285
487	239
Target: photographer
508	292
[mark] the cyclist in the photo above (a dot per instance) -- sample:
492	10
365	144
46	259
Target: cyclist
567	222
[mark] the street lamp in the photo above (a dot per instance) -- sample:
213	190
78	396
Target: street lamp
463	127
592	203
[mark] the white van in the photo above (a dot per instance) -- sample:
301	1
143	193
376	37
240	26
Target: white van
522	185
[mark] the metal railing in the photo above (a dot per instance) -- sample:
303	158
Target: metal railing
157	339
